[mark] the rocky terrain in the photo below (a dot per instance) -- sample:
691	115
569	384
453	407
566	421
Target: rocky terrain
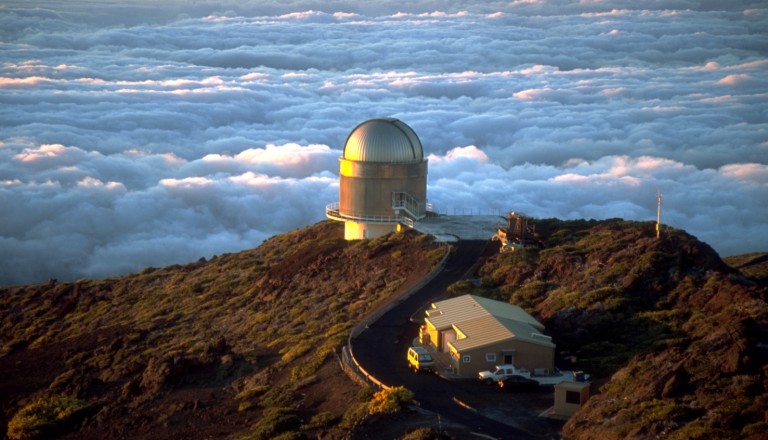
243	345
679	335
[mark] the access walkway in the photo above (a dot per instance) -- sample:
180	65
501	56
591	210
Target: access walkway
452	228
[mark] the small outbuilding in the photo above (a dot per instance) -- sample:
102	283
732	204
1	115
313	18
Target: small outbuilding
480	333
569	397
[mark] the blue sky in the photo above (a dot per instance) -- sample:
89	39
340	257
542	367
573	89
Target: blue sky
134	135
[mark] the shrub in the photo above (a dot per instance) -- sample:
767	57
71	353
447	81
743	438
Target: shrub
697	430
421	434
528	295
275	421
434	256
338	328
358	411
354	415
664	411
298	349
320	421
755	429
390	401
44	417
314	362
251	392
290	435
244	406
278	395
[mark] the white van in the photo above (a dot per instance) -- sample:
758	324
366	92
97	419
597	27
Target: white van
420	360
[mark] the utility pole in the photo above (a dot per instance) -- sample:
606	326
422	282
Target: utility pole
658	214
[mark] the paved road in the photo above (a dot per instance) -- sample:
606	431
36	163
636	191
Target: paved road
381	348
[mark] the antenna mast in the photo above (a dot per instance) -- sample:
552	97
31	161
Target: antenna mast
658	214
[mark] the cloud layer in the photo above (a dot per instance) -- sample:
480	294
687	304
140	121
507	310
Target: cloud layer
133	135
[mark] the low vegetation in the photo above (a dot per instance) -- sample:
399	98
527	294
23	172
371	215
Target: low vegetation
390	401
244	345
45	417
676	330
202	349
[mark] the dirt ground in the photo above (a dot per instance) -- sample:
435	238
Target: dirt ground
521	410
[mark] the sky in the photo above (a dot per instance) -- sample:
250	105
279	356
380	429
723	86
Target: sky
141	134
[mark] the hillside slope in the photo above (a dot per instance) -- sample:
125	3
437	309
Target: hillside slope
680	335
239	345
754	265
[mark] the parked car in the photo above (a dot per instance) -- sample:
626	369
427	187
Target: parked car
420	360
501	372
518	383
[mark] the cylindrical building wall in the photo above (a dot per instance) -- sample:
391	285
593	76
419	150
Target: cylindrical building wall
358	231
366	189
382	179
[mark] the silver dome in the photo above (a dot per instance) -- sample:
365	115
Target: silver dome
386	140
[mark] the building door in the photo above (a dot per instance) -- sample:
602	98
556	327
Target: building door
448	336
509	356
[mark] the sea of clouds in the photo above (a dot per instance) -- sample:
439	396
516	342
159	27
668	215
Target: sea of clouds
135	135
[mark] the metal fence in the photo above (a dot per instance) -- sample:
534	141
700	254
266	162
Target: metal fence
462	211
356	372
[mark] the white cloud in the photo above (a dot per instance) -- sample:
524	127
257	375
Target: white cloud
162	133
747	172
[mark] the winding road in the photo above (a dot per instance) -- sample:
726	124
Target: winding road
381	349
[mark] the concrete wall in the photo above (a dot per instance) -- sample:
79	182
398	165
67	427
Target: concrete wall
359	231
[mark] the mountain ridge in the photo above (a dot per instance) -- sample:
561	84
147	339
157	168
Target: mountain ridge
164	353
678	332
250	338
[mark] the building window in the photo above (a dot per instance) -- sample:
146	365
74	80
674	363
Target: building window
490	357
466	358
573	397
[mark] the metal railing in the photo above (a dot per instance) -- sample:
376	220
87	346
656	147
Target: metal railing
405	209
356	372
333	212
464	211
406	202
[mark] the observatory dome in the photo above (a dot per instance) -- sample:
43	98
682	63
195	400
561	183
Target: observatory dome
385	140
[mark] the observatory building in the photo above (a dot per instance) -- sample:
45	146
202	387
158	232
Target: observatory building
382	180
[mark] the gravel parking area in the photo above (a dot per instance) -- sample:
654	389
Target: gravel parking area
518	409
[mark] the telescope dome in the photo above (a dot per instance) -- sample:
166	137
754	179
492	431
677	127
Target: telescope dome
383	140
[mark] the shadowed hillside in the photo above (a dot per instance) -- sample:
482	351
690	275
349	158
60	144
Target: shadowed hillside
240	345
754	266
680	334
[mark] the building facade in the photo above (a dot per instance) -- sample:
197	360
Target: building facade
480	333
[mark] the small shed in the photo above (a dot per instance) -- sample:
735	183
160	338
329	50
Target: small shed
569	397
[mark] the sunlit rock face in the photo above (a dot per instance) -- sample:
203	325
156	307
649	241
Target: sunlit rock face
382	179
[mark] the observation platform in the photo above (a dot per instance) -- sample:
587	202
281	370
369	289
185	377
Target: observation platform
452	228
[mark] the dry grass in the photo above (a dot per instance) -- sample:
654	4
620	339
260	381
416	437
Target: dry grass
257	324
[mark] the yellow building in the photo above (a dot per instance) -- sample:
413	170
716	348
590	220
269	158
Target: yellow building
481	333
382	180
